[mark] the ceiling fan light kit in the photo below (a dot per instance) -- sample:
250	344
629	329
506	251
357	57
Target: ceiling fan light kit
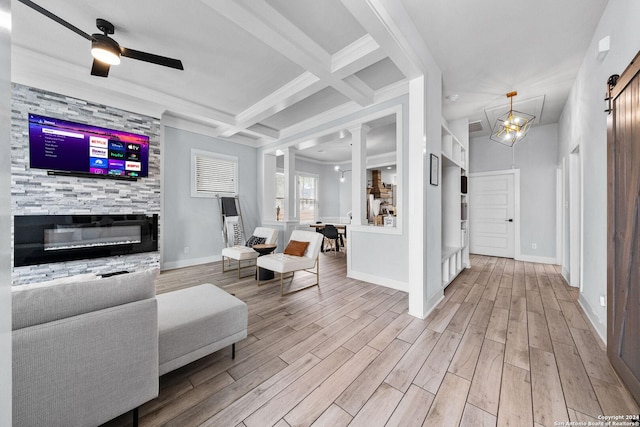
105	50
512	126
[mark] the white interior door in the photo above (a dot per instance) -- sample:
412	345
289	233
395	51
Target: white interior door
492	214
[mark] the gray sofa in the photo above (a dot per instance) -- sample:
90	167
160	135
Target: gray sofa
86	351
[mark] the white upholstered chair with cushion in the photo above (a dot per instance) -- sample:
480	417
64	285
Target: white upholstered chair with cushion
306	259
242	253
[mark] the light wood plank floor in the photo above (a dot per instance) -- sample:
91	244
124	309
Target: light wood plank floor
508	345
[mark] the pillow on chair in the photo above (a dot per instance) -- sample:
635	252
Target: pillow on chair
255	240
296	248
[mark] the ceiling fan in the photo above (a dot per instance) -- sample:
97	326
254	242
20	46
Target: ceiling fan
105	50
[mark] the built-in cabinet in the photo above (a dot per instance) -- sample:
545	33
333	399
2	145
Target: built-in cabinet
455	224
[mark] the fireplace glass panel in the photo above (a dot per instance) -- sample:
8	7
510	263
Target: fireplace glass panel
41	239
73	237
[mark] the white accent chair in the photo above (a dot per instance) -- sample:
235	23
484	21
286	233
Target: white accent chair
242	253
282	263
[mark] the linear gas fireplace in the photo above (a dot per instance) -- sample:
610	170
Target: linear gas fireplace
41	239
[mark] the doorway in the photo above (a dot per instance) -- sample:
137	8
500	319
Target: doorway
492	213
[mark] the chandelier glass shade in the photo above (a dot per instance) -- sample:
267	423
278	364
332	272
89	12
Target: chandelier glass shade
512	126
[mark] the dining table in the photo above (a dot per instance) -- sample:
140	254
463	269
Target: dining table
342	231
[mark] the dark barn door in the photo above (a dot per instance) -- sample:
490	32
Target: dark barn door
623	265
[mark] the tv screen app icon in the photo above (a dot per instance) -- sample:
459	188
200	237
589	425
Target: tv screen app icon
98	163
116	145
116	164
102	153
133	166
96	141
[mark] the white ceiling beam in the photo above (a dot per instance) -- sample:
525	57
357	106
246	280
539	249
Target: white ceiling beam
358	55
392	28
296	90
353	58
268	25
262	131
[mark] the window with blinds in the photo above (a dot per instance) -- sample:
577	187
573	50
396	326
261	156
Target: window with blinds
213	174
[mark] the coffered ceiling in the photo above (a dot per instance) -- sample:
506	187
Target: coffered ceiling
260	70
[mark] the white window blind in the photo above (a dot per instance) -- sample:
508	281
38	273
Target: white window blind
213	174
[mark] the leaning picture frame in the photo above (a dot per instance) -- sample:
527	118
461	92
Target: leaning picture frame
434	168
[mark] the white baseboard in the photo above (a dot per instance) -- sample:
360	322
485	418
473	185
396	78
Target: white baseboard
377	280
538	259
189	262
431	304
599	325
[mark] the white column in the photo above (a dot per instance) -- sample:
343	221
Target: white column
290	208
5	219
415	193
268	187
359	174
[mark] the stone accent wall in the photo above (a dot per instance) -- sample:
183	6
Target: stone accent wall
35	192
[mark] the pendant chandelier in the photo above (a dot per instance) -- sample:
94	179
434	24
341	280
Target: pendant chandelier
512	126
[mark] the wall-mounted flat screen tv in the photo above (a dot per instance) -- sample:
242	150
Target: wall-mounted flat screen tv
76	148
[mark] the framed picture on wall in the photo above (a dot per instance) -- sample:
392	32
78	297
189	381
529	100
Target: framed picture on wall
434	165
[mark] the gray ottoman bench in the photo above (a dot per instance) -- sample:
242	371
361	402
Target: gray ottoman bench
195	322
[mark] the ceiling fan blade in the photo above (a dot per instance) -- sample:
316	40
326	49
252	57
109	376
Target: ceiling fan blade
150	57
99	69
56	18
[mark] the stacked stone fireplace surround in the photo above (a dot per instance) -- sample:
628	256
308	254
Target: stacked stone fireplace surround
33	192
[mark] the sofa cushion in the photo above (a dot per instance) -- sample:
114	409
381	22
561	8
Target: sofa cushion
240	253
60	281
270	234
32	305
255	240
282	263
296	248
195	317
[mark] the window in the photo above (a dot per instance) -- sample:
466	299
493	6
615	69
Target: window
213	174
279	196
308	197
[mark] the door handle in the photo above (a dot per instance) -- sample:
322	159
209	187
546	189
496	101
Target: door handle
509	220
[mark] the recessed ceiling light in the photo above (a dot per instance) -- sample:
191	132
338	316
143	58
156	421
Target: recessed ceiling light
453	97
388	167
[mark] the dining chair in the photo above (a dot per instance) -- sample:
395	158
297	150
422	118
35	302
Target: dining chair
330	233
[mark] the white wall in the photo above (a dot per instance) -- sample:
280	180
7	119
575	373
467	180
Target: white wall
584	121
5	221
536	156
195	222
